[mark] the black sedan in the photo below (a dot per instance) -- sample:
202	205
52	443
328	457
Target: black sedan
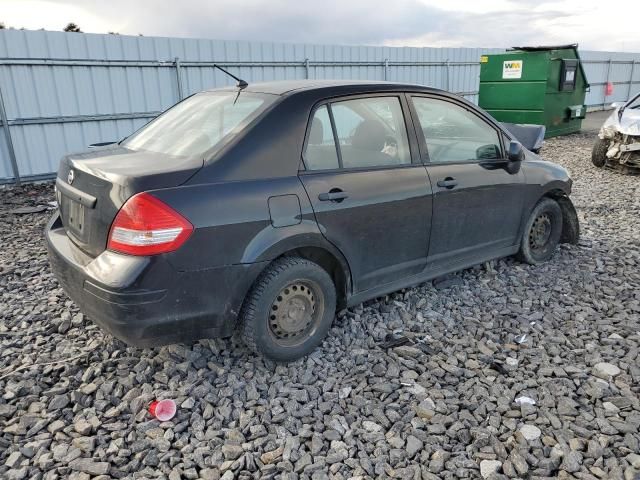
268	206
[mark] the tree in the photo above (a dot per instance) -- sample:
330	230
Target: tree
72	27
2	27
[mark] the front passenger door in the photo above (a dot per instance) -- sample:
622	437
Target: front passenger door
477	203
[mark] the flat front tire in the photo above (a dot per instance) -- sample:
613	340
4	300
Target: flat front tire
541	233
289	309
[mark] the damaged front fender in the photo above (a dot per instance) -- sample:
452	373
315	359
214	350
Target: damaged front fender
570	222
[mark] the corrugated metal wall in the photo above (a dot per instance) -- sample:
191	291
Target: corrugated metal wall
619	68
64	91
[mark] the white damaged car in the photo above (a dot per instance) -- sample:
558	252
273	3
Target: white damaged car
618	144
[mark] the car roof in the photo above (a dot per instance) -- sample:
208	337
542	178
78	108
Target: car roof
288	87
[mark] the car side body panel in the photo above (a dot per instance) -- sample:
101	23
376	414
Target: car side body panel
482	212
382	227
231	219
249	205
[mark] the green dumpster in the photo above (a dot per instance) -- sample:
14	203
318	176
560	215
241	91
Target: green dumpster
535	85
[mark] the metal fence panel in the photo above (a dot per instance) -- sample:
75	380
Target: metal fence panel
64	91
620	68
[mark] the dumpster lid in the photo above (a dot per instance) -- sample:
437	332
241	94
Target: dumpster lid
541	48
544	48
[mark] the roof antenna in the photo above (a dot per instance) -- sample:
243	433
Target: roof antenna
241	83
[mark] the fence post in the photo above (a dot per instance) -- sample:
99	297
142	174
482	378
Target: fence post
446	66
7	135
306	68
386	68
633	64
179	78
606	84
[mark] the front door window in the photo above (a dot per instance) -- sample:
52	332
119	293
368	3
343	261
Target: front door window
454	134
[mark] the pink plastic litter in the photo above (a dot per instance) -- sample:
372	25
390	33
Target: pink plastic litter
163	410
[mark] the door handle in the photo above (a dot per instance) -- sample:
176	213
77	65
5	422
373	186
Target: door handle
333	195
448	183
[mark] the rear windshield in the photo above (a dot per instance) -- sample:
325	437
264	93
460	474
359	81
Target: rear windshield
199	123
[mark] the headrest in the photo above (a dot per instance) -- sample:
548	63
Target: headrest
369	135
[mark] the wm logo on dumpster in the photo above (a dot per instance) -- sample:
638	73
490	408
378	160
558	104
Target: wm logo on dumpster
512	69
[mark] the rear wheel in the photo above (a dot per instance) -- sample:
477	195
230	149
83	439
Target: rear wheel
599	153
289	310
541	233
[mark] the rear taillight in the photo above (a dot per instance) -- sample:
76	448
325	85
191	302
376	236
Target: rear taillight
147	226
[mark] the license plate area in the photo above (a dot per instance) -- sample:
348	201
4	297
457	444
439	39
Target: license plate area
73	214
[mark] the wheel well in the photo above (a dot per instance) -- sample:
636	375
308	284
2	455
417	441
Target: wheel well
570	222
325	259
555	194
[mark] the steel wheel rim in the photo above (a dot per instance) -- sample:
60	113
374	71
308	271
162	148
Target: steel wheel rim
540	232
296	312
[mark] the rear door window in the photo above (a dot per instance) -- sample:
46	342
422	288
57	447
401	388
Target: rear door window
321	153
371	132
453	133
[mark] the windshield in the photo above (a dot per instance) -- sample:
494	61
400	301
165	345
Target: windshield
634	102
198	123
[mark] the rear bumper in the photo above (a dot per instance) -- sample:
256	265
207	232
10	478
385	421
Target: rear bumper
145	301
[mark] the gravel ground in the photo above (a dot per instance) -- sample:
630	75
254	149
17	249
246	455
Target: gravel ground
457	403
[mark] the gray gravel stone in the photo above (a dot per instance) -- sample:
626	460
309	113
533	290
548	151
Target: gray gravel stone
519	463
17	473
426	409
232	452
605	370
530	432
58	402
489	467
572	462
13	460
414	445
634	460
83	427
87	465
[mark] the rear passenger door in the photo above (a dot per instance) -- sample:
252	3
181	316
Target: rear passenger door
369	191
477	206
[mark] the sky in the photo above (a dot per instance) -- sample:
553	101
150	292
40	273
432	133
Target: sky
595	24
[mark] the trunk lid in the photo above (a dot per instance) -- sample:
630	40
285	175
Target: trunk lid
92	186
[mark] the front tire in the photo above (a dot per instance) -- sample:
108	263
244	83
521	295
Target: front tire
599	153
542	232
289	309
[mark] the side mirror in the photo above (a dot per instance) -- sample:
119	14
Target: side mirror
617	104
516	152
